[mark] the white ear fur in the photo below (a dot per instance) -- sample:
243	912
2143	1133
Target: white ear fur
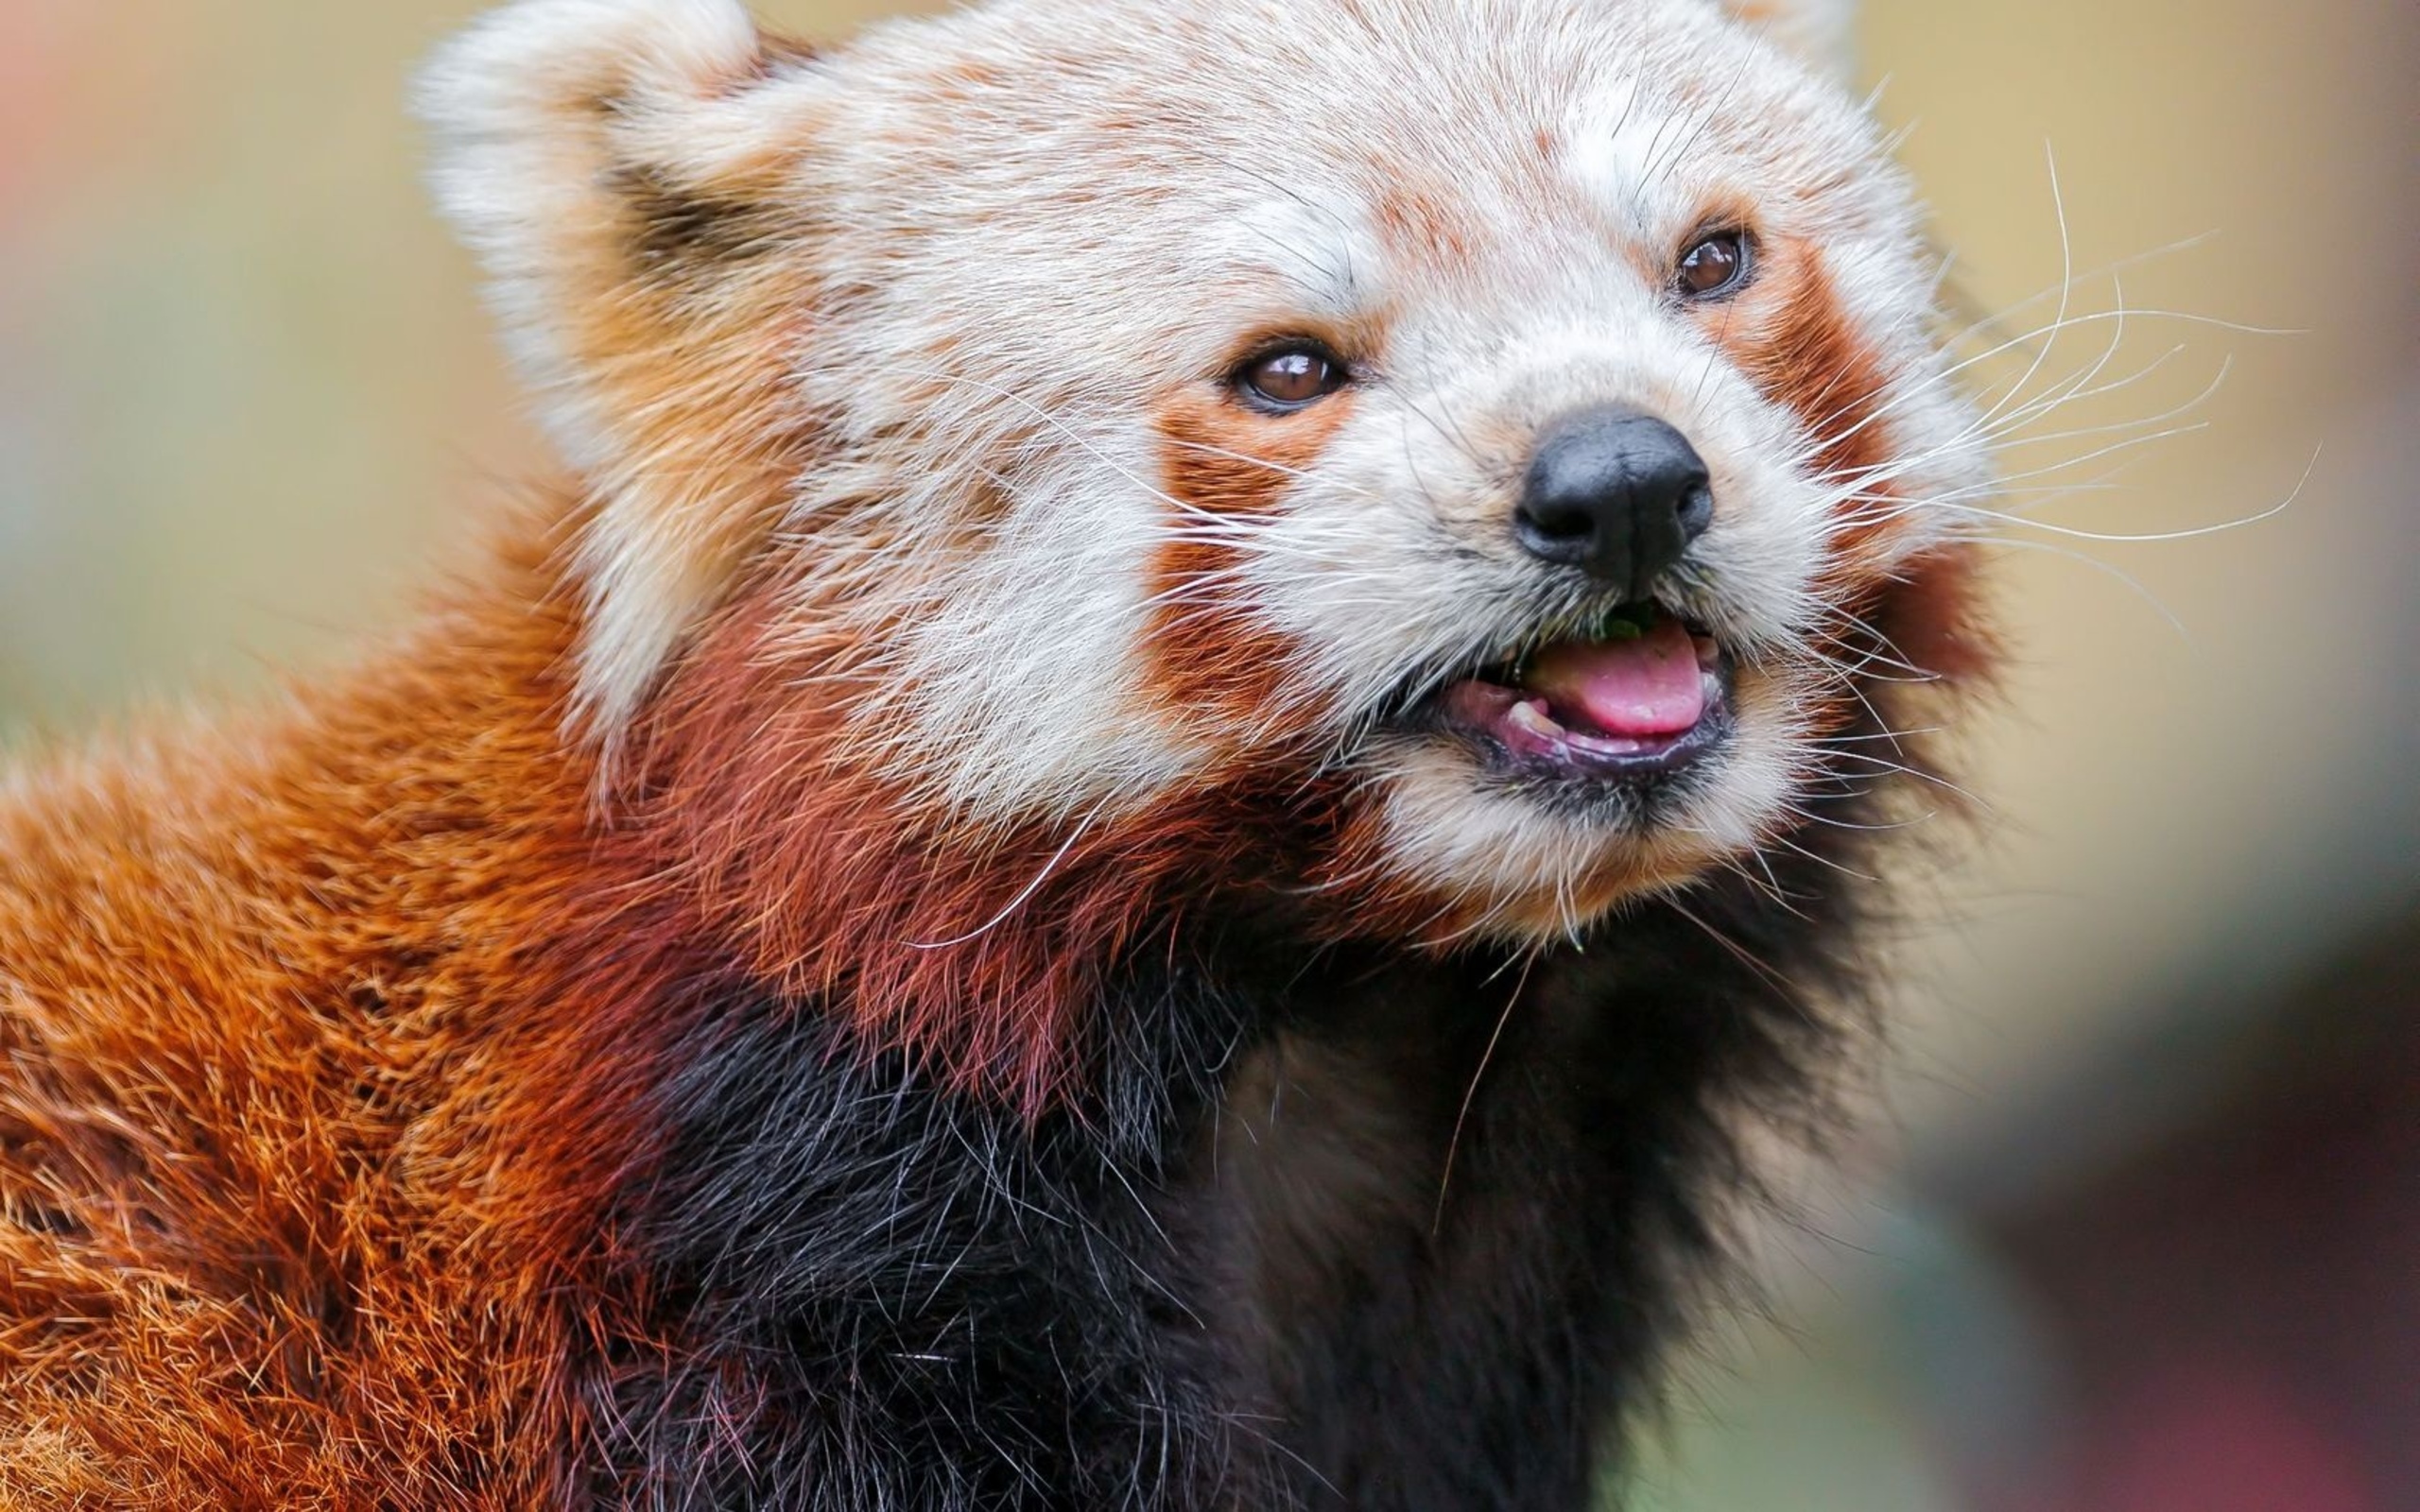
1822	32
560	126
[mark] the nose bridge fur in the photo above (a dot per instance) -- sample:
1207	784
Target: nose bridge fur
1482	381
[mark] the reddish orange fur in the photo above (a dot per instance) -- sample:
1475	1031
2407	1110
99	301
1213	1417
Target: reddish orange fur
1936	616
1792	335
1211	657
303	1130
830	879
299	1136
1211	660
1216	457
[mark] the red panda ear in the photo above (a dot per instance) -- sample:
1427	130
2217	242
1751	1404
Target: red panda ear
1821	32
629	174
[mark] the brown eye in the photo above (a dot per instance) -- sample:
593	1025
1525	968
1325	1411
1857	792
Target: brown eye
1715	266
1291	379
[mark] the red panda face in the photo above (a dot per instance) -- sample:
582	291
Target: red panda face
1500	420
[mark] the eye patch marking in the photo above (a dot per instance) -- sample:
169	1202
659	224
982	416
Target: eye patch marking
1791	335
1218	457
1208	654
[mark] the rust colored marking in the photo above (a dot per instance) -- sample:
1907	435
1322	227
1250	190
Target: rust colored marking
1212	659
839	889
1790	335
301	1027
1935	617
1793	339
1428	227
1222	458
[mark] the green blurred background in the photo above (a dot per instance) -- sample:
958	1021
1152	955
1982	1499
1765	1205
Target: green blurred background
2137	1226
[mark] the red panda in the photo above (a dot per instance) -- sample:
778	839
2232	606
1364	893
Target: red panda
1195	730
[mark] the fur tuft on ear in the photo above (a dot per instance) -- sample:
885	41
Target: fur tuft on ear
1822	32
624	170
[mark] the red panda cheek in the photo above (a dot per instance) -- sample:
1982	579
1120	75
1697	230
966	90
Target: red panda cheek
1936	617
1211	656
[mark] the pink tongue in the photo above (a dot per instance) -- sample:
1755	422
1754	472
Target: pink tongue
1650	686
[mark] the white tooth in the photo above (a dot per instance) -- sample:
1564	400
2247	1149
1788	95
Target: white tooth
1531	715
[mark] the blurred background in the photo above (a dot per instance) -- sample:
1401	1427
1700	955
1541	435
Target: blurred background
2137	1228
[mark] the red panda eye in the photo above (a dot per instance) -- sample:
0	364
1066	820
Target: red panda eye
1291	379
1715	266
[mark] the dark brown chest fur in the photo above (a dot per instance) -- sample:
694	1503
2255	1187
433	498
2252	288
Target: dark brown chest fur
1341	1230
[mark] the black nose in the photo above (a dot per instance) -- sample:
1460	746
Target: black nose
1615	493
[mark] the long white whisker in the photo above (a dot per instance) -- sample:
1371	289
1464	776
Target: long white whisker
1021	899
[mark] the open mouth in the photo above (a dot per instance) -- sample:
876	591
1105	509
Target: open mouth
1642	697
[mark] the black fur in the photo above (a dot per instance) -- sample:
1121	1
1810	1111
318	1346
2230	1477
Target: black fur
1241	1275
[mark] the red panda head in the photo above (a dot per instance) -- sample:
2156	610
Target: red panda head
1464	444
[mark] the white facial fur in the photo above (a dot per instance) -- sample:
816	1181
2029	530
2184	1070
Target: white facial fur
1029	234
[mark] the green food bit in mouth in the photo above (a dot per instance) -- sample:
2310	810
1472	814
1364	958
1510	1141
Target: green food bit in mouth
1628	623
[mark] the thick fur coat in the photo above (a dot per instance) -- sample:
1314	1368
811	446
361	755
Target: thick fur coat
921	932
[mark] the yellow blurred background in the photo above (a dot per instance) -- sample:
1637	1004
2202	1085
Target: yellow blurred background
2133	1233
